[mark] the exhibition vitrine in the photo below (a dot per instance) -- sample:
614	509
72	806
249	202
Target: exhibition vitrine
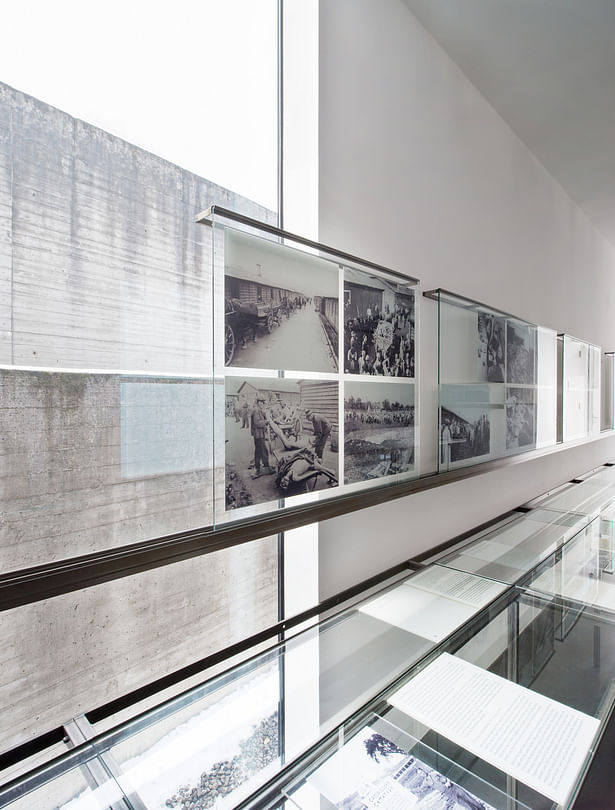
481	678
580	375
497	382
607	388
315	364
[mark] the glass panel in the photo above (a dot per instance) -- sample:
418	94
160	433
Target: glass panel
71	654
87	785
508	552
527	725
322	676
382	765
217	742
312	398
96	461
607	398
106	288
581	389
497	383
229	735
230	138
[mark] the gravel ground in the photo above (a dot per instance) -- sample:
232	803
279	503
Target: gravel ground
257	751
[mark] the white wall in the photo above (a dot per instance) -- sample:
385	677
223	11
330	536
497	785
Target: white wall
418	172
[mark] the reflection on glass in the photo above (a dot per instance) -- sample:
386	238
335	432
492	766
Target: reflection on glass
281	438
581	388
378	430
281	306
589	497
86	787
222	744
497	383
383	766
583	570
607	389
379	326
509	551
101	460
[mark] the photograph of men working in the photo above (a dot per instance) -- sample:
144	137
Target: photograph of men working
289	446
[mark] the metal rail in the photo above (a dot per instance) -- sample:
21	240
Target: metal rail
205	218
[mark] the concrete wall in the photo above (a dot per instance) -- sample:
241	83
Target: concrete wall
66	655
418	172
105	414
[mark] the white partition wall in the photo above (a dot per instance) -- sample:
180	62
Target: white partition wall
417	170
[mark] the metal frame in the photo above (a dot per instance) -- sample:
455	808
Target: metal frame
470	304
33	584
205	218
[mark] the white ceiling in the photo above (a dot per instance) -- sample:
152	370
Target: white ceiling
548	68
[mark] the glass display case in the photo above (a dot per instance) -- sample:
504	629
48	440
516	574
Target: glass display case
580	374
483	679
316	364
497	382
607	391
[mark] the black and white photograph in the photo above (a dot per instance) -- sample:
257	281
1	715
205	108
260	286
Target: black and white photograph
281	439
378	430
491	348
520	353
371	771
520	417
281	307
379	327
465	424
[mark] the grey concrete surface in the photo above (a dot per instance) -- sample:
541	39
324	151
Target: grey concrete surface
104	271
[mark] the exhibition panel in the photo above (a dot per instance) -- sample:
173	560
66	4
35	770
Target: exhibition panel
483	679
497	381
580	363
315	361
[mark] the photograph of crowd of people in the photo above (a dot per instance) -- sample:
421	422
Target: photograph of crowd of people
281	307
520	353
379	325
491	348
378	430
281	438
520	417
465	432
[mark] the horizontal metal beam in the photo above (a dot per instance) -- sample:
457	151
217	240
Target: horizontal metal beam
34	584
204	218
